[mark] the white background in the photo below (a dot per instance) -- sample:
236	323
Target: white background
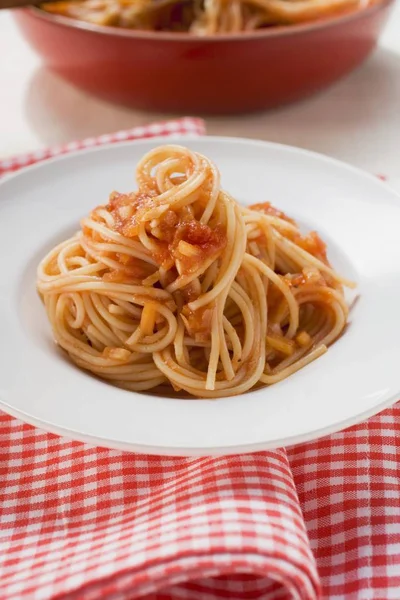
356	120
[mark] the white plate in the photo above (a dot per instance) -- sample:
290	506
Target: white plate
359	375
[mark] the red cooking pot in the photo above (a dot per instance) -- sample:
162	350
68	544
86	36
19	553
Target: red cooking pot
215	74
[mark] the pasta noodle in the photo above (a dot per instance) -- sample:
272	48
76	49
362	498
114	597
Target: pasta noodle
202	17
178	288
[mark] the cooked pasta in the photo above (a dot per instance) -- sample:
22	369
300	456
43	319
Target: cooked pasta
202	17
178	288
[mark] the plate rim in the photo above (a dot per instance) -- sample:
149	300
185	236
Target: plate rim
44	162
195	451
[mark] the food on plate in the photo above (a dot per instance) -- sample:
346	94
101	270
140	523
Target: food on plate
178	288
201	17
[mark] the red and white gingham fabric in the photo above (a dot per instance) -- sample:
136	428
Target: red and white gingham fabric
184	126
320	520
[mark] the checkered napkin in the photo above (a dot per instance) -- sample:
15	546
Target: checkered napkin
77	522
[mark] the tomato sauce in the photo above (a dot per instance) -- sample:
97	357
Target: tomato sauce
198	323
207	243
178	238
312	244
268	209
127	210
311	277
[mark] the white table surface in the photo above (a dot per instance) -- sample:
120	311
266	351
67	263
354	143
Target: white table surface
356	120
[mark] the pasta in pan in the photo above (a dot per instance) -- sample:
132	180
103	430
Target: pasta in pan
202	17
178	288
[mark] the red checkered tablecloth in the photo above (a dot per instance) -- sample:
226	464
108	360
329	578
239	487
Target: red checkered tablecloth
319	520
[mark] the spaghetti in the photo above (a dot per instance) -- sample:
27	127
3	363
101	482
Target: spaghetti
202	17
176	287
